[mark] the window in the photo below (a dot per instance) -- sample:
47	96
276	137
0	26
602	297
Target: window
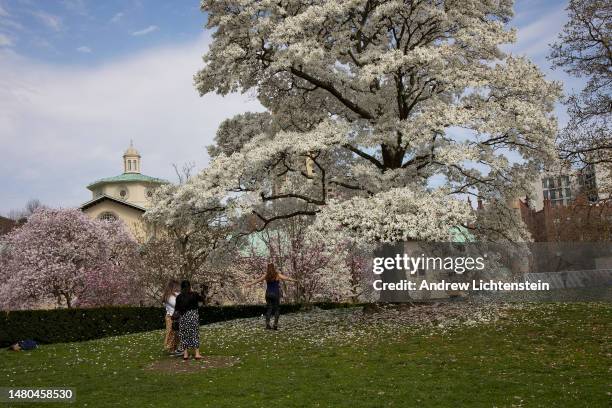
124	193
107	216
557	190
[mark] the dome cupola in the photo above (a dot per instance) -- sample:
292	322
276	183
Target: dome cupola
131	160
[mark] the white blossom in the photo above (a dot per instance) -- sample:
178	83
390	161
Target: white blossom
404	108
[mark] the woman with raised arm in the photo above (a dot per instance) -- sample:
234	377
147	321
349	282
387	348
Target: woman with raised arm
273	293
189	324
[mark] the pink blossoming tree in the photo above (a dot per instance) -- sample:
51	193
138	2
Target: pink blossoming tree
64	256
323	272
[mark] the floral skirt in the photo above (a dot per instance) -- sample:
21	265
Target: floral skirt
171	339
189	329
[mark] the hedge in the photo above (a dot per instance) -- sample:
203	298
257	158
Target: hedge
69	325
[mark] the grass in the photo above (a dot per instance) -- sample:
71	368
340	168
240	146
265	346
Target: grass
546	355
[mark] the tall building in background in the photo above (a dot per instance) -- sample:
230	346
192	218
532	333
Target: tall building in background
562	187
569	206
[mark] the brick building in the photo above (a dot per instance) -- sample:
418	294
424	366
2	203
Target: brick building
577	221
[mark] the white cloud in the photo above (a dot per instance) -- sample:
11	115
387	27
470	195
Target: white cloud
534	39
146	31
70	125
6	22
84	49
50	20
5	41
10	24
116	17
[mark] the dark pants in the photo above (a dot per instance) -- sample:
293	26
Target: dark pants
273	307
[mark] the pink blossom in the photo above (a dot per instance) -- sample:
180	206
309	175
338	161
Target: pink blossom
63	256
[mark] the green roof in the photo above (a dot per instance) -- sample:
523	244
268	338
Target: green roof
127	178
258	245
460	234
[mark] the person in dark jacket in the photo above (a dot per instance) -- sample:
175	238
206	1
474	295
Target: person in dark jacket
189	322
24	345
273	279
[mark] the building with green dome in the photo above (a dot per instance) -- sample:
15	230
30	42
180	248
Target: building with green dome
126	196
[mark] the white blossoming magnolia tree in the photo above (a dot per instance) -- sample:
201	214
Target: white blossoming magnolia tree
402	108
192	245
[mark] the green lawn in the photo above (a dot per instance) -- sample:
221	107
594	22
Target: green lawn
548	355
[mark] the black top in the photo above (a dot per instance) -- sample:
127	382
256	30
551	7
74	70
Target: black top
273	288
187	301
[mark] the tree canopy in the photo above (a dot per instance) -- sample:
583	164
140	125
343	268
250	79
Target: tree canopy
64	256
584	51
400	107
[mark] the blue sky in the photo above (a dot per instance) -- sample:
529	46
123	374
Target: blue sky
93	32
80	78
